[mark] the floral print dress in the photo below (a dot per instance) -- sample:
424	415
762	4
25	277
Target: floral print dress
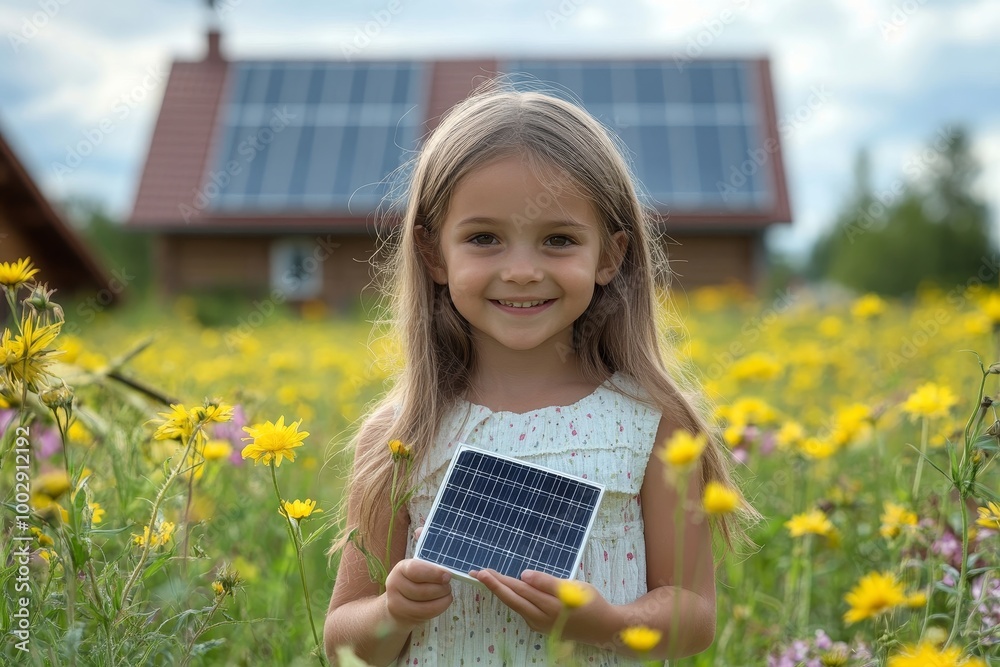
605	437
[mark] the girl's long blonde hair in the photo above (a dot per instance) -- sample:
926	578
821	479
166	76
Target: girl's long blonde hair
618	332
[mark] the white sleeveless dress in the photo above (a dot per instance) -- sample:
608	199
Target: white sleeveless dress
605	437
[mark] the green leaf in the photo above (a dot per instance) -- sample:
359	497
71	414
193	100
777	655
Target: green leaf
156	564
204	647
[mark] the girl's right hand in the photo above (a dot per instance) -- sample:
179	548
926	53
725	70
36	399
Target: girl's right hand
417	591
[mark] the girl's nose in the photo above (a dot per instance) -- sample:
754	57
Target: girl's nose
520	267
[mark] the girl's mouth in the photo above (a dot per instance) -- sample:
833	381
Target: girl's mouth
518	310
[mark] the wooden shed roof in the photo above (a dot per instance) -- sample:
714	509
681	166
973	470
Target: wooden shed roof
64	260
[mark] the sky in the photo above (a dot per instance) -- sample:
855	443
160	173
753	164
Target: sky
883	75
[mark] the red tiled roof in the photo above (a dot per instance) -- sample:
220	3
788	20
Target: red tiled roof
181	143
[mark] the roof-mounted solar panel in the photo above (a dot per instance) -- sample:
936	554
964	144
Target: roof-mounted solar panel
324	136
689	127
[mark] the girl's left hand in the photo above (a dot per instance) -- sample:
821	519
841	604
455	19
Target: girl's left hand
535	596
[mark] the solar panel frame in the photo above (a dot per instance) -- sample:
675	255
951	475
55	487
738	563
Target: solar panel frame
436	518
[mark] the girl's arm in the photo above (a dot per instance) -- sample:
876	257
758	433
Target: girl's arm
683	608
378	626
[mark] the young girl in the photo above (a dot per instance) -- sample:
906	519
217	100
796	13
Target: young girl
524	291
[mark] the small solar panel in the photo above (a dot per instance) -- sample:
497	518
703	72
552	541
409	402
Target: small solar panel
498	512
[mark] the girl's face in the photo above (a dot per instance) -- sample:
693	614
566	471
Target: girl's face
522	235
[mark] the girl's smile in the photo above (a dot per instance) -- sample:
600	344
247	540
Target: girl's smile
522	306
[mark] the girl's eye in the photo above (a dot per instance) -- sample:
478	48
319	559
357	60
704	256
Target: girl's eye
475	239
567	241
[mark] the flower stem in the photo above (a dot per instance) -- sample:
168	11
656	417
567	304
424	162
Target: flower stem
962	571
555	637
920	461
186	657
152	522
805	585
392	520
302	571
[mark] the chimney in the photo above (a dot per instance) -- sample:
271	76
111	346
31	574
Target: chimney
214	51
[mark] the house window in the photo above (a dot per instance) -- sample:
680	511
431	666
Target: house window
295	269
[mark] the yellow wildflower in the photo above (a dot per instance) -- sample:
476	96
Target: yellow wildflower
989	516
991	308
895	518
916	600
733	434
850	422
174	425
26	356
874	594
817	449
682	450
640	638
155	538
814	522
43	539
868	307
218	589
400	450
930	400
52	484
720	499
15	274
273	441
756	366
574	594
928	655
213	410
789	435
298	509
216	449
97	515
831	327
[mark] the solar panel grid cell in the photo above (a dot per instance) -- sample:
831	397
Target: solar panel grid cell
508	515
351	126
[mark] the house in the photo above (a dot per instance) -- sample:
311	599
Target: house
266	175
31	227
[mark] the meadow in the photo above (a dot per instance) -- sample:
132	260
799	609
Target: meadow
864	429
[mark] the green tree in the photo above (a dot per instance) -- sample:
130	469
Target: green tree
928	228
